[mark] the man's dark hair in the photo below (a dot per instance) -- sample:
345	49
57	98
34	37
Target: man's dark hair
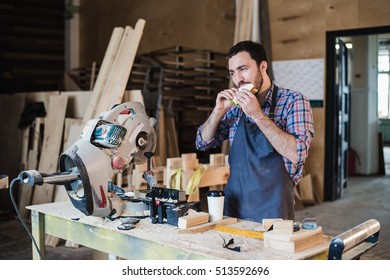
255	50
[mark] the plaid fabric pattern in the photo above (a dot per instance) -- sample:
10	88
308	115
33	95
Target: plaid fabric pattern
293	114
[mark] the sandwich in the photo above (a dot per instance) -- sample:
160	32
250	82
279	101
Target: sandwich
249	87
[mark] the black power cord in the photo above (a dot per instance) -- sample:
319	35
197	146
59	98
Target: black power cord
14	182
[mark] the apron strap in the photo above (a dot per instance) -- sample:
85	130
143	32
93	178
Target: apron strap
272	110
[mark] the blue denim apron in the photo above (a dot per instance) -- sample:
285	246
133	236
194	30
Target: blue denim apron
259	186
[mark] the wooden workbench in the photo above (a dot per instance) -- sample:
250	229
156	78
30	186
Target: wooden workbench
150	241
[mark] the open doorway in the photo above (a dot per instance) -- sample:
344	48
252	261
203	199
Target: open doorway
344	129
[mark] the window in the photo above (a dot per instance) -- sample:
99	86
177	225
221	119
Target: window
383	78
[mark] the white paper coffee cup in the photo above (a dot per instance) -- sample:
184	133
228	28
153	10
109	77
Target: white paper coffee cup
215	201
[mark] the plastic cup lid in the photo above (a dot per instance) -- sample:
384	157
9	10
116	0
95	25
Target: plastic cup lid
215	193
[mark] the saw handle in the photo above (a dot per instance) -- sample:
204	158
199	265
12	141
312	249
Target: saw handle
34	177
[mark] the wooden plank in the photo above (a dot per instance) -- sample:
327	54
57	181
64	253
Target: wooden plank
72	132
51	146
172	141
134	95
25	146
104	72
173	165
25	191
93	73
103	103
77	102
161	150
215	175
70	84
118	82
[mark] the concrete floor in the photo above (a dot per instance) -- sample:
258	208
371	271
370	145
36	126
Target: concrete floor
366	197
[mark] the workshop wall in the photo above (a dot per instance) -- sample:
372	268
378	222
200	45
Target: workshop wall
201	24
298	31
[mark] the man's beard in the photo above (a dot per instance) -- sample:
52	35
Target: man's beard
259	81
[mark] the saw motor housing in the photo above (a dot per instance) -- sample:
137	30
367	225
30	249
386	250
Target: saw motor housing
107	145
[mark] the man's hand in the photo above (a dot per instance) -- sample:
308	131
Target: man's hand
222	104
223	99
248	102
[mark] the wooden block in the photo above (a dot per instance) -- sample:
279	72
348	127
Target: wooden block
298	241
172	165
188	156
217	159
301	234
191	220
283	227
208	226
267	223
190	164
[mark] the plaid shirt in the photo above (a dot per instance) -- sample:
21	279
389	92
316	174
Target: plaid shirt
293	114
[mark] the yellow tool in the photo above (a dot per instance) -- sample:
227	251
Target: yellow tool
240	231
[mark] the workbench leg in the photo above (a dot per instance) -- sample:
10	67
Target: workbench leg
38	232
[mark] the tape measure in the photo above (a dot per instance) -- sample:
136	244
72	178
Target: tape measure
240	231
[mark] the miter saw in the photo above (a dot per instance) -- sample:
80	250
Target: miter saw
109	144
119	138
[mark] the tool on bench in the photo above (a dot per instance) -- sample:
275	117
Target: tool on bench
310	223
240	231
169	205
230	242
108	145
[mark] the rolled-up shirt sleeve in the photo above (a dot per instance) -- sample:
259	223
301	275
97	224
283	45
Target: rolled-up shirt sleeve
224	131
213	143
300	124
200	144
